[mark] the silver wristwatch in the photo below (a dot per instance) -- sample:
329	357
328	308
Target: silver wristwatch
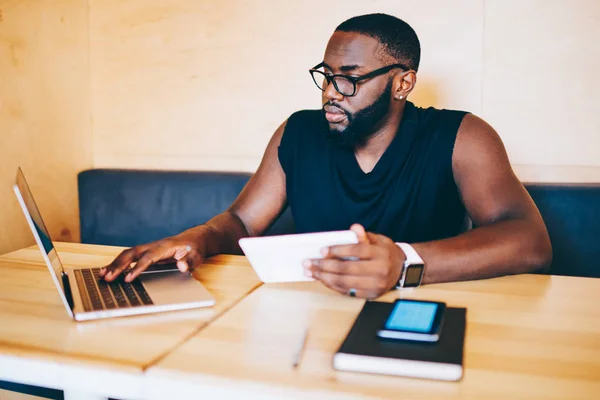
412	269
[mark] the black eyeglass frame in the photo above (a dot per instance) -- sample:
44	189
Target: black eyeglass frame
353	79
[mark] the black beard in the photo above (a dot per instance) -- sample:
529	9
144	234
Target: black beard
362	124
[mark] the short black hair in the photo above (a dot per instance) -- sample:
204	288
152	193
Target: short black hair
397	37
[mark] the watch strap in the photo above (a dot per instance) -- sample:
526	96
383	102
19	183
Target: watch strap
412	257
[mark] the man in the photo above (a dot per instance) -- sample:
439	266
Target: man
395	172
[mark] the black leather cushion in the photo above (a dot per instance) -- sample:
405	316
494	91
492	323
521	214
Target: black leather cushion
130	207
572	215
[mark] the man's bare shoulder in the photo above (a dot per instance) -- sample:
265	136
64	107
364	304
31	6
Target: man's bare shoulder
477	139
472	123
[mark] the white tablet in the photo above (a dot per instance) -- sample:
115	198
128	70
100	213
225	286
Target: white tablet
280	258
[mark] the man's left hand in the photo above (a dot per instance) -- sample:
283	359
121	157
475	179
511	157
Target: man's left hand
367	269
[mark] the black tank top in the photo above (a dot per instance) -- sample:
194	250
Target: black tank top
409	196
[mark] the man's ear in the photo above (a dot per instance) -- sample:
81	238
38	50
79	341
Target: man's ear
404	83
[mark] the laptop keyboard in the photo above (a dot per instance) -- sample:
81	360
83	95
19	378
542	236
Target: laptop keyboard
97	294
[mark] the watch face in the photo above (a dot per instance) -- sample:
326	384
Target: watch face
414	274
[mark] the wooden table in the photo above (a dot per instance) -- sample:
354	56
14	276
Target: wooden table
528	337
41	345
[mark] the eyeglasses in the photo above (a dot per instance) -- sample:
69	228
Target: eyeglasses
345	84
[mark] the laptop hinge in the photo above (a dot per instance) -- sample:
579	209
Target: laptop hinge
67	287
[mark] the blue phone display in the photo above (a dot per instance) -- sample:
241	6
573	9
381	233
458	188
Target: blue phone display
412	316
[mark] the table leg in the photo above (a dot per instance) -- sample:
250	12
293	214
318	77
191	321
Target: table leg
75	395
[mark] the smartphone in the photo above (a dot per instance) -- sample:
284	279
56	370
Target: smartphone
414	320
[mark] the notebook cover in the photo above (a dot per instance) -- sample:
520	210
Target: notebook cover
363	340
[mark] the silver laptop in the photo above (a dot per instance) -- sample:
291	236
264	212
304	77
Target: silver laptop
86	296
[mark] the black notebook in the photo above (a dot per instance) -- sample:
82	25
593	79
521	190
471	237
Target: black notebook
364	351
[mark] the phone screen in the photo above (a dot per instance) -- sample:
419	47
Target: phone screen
412	316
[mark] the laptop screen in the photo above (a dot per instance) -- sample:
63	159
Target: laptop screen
36	222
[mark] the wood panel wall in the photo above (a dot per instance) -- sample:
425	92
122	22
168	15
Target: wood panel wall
44	113
202	85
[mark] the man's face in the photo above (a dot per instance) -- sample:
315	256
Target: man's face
352	120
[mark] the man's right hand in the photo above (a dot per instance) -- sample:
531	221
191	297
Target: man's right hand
182	249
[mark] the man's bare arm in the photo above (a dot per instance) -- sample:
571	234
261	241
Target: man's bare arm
259	204
257	207
509	235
